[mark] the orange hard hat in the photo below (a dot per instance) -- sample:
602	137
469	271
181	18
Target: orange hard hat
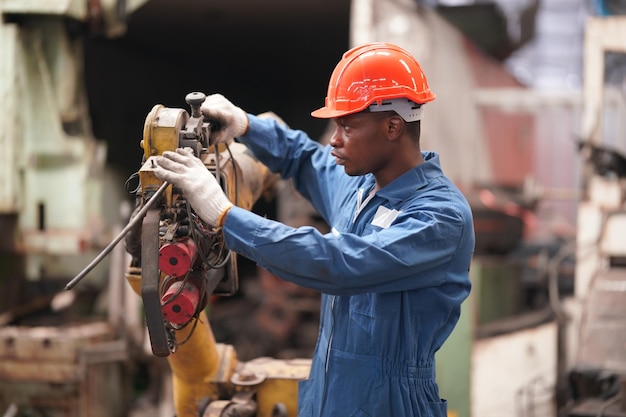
373	73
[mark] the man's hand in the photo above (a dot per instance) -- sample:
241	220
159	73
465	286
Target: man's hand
233	121
185	171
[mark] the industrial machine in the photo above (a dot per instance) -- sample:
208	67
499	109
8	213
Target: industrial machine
53	218
596	375
179	262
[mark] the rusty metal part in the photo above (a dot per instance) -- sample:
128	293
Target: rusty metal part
246	377
48	353
66	370
150	283
277	391
215	408
242	404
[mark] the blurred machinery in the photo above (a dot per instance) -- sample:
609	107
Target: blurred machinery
596	369
179	262
42	78
52	216
516	346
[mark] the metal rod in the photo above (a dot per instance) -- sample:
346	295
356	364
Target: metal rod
117	239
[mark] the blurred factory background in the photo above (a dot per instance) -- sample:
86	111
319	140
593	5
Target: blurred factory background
529	120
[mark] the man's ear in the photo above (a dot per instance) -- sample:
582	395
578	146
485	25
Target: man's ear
395	124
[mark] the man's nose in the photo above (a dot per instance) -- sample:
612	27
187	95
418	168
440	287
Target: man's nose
335	139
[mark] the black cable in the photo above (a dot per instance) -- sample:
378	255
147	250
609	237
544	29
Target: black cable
127	184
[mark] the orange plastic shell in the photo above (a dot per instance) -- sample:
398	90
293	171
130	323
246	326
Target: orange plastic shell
371	73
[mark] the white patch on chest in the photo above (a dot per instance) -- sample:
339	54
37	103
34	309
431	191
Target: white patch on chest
384	217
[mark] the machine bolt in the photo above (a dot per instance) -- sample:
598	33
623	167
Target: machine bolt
247	377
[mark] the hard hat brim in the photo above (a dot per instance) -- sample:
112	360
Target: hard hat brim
326	113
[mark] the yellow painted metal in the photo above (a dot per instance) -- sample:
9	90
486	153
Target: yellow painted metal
133	277
197	368
161	128
273	391
150	183
160	133
279	384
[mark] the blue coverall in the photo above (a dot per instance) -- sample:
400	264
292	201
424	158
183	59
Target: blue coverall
392	274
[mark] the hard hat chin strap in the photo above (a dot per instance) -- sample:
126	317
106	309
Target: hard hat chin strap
407	109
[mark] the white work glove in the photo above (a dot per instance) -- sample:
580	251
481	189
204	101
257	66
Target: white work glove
199	186
233	121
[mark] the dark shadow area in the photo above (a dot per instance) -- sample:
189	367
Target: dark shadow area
262	58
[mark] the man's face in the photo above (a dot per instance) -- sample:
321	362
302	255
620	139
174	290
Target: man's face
360	142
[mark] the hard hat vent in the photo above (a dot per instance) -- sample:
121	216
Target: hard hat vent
407	109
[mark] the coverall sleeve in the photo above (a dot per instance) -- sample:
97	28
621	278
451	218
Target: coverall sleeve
293	154
417	252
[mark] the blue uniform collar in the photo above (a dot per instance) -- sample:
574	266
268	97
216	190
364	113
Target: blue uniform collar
402	187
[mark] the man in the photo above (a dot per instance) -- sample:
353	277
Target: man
393	271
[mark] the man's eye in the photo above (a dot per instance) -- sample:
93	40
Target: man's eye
344	126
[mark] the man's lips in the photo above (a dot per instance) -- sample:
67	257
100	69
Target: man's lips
338	158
